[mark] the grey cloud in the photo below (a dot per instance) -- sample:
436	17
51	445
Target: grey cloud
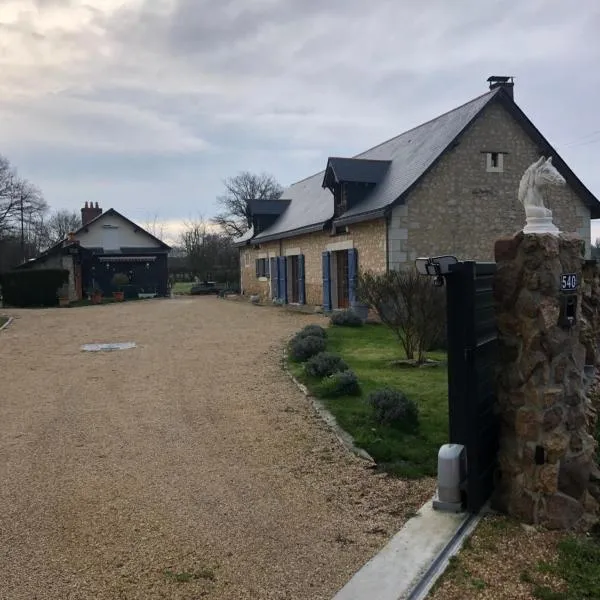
280	84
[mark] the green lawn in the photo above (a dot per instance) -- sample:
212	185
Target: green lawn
182	287
369	350
3	320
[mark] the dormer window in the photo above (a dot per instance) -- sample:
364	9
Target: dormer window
350	180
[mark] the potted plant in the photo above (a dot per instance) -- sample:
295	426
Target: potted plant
95	294
118	281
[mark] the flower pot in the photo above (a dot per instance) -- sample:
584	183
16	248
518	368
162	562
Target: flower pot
119	296
63	301
96	298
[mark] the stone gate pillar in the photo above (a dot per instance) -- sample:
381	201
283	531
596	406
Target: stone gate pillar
547	471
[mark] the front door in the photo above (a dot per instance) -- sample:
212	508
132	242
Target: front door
341	277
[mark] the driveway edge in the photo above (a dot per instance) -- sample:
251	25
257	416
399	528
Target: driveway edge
319	407
10	320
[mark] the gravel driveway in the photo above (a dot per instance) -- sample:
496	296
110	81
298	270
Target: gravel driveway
190	467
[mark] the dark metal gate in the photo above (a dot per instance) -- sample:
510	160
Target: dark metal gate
472	348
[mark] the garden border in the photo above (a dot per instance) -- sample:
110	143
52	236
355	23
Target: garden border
319	407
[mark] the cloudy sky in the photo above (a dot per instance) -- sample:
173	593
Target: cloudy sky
146	105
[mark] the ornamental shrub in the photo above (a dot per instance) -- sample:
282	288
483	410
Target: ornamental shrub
392	407
346	318
301	349
324	364
342	383
315	330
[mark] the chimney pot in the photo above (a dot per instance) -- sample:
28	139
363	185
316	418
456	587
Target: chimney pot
506	82
89	212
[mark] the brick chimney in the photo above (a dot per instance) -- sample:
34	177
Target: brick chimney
506	82
89	212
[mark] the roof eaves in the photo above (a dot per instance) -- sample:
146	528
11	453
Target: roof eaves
288	234
360	217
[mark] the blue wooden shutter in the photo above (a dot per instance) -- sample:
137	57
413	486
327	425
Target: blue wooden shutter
301	293
284	279
281	280
326	256
352	274
273	273
256	264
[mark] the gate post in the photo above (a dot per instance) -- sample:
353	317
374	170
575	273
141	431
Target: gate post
547	455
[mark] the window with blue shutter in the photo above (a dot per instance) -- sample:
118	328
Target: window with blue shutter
301	290
326	258
257	265
352	275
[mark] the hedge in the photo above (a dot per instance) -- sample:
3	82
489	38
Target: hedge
32	287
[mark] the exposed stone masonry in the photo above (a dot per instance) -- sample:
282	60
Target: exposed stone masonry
548	472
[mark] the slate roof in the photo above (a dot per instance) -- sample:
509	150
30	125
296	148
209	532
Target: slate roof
411	154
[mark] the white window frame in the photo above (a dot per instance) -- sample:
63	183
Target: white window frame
499	167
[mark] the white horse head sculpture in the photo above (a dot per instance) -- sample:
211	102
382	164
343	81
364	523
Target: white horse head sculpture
538	176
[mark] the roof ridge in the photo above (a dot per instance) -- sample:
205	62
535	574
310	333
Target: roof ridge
490	93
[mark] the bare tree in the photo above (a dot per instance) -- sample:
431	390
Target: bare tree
59	225
235	218
208	254
155	226
410	305
21	203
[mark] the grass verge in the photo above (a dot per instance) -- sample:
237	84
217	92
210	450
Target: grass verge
3	320
369	350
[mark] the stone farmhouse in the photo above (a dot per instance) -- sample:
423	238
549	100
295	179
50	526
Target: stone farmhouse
448	186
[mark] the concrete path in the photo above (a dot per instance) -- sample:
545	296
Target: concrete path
189	467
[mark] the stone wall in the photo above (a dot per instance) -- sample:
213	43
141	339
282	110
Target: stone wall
547	455
461	208
368	238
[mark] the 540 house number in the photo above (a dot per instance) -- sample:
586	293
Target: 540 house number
568	282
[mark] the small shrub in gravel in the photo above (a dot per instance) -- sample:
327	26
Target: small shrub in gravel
315	330
342	383
324	364
391	407
301	349
346	318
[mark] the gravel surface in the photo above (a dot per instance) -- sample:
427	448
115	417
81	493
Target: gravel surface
501	562
189	467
